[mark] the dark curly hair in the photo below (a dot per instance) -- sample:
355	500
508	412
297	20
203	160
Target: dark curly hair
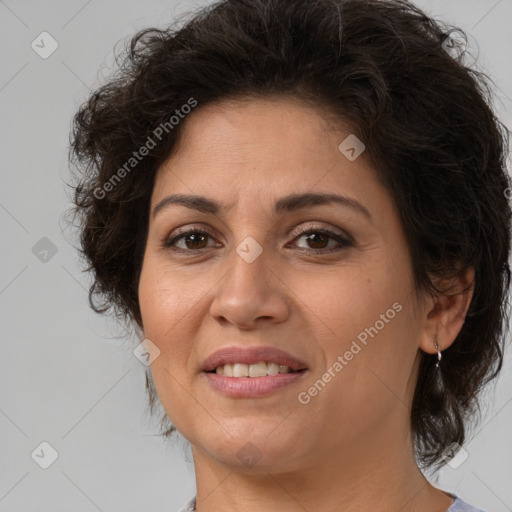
383	66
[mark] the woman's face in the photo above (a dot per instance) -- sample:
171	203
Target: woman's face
257	270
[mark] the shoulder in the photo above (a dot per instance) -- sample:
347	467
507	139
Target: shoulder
461	506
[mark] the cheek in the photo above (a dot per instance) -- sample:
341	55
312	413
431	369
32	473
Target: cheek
165	305
173	307
346	301
168	298
363	315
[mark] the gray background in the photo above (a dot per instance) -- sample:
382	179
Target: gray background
66	376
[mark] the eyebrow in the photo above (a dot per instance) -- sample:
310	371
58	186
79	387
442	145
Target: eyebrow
285	204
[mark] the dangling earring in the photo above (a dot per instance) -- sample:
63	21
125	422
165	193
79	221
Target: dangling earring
438	353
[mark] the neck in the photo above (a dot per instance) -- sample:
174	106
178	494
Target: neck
380	474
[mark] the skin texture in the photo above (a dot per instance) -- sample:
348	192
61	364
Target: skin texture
350	447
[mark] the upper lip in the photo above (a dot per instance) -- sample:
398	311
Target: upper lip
251	355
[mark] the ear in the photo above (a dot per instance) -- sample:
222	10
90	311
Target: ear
445	314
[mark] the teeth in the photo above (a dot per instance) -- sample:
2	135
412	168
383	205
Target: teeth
260	369
240	370
257	370
272	368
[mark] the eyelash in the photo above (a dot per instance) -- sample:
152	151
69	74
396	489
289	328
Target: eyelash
345	242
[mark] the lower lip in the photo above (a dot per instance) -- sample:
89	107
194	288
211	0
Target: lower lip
251	387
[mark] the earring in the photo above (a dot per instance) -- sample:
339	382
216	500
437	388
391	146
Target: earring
438	353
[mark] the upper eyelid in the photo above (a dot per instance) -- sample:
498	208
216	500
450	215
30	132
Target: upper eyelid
312	227
295	232
295	229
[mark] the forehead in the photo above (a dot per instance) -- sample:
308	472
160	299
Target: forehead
259	143
243	162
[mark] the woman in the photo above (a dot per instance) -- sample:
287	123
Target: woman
302	207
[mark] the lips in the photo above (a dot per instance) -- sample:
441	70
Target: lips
251	355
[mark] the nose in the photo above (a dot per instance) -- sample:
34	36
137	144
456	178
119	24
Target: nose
250	294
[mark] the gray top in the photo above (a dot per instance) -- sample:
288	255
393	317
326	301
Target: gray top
457	506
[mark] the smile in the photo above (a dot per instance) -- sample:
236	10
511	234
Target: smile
260	369
249	387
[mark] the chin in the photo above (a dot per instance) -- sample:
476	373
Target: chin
255	447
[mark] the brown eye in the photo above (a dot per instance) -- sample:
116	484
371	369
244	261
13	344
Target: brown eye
195	240
189	241
318	241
